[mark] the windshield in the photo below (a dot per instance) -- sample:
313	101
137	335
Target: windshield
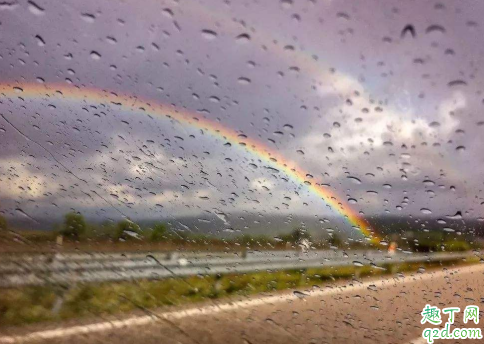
235	171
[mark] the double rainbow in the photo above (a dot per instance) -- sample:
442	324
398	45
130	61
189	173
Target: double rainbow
52	92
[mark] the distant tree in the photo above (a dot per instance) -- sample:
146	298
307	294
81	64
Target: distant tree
335	240
299	234
295	237
127	229
159	232
3	223
74	225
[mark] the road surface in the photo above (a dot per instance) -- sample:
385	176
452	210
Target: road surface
368	311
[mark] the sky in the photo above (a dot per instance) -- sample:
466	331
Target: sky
381	103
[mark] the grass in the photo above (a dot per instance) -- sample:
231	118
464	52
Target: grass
52	303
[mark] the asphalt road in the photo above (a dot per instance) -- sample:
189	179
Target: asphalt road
368	311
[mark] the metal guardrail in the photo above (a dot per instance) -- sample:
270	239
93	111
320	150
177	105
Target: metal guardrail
25	270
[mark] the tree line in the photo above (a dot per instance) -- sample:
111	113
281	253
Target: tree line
74	227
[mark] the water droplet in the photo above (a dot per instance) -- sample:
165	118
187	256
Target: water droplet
435	29
8	5
111	40
456	216
40	41
88	17
95	55
209	34
299	294
343	15
456	83
372	287
24	214
243	38
243	80
286	4
35	9
408	30
354	179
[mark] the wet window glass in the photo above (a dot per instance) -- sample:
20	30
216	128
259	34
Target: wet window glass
240	171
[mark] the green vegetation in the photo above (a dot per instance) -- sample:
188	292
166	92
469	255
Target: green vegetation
74	225
128	235
126	230
434	241
159	232
77	230
3	223
37	304
456	246
296	236
336	241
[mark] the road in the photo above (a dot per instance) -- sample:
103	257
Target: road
368	311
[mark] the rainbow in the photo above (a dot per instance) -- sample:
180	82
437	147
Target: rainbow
52	91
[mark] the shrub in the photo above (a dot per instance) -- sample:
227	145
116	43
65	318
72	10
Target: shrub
158	232
456	246
127	229
74	225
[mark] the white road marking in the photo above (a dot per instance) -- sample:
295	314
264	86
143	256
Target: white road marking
143	320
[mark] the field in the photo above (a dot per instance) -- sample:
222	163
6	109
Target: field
29	305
